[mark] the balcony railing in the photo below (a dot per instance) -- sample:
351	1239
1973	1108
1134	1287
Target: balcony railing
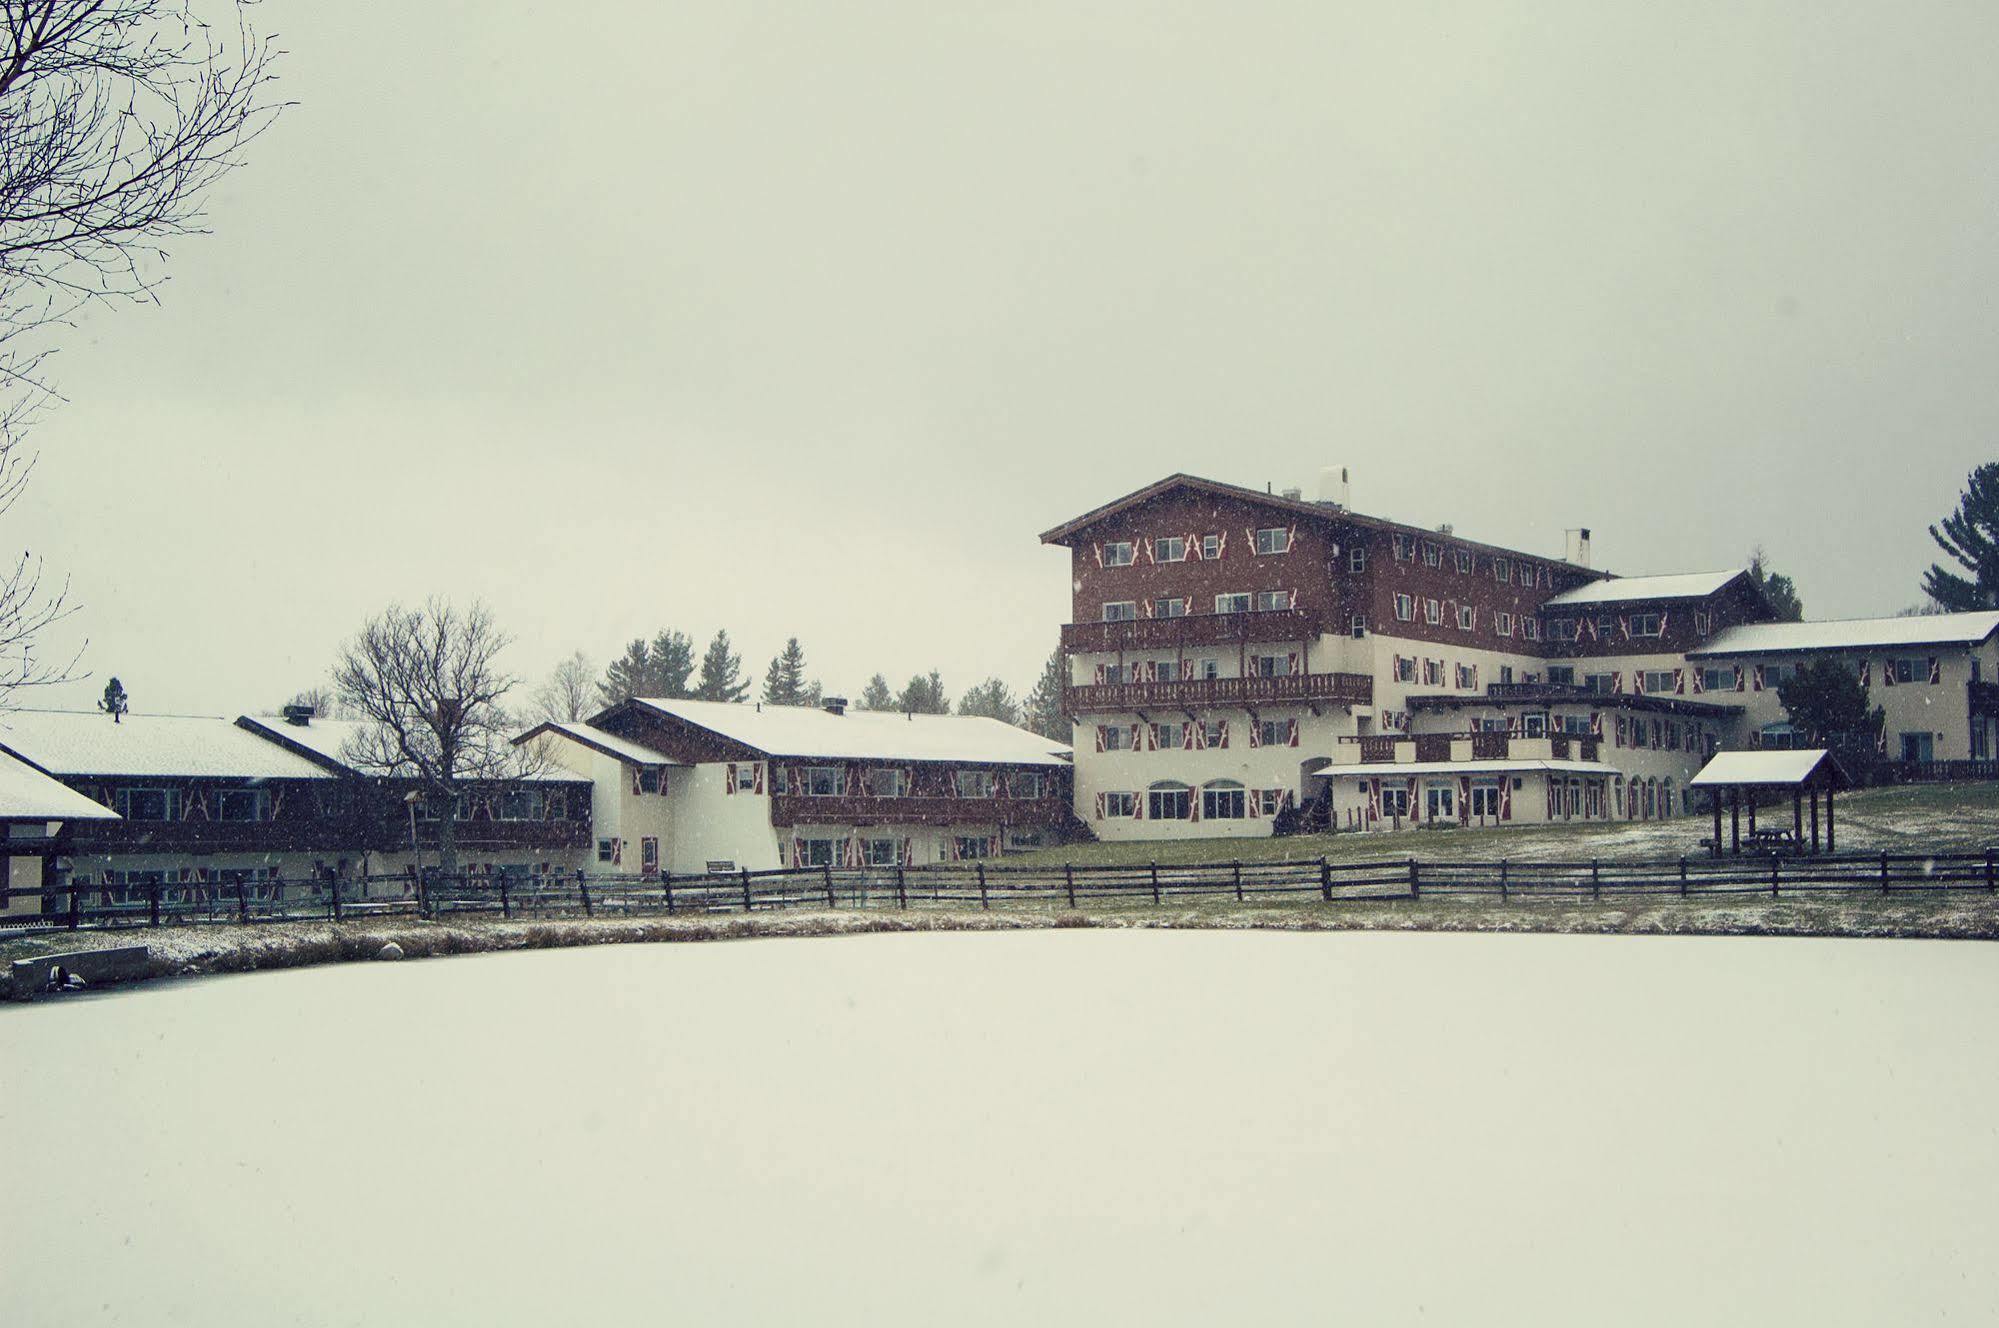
1336	688
788	809
1194	629
1477	745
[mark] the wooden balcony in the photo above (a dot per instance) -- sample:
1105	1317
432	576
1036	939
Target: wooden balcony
1192	630
1478	745
788	809
1196	693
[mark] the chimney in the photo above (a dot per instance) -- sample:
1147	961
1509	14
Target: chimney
1577	550
298	716
834	705
1293	494
1336	487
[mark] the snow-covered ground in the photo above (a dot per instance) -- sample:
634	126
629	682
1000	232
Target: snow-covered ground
1050	1127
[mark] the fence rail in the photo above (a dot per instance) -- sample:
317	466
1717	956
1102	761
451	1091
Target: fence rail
988	885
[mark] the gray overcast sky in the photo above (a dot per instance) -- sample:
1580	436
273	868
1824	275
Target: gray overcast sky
806	318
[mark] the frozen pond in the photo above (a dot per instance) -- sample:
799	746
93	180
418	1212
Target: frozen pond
1047	1127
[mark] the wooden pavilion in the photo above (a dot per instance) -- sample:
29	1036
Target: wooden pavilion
1808	774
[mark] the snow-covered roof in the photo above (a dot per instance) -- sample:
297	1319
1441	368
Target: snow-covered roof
26	794
1635	589
1935	629
327	737
624	749
1397	769
85	742
866	735
1781	768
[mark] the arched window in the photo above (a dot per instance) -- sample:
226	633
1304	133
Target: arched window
1617	793
1222	800
1168	801
1666	805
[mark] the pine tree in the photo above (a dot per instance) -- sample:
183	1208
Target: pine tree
784	680
721	672
1970	536
1778	589
924	696
672	664
115	703
1827	707
1044	701
629	675
876	695
993	699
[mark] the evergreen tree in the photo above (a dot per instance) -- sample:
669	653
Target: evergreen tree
1970	536
992	699
924	696
115	702
1827	707
1777	588
1044	702
672	664
876	695
630	674
784	680
721	672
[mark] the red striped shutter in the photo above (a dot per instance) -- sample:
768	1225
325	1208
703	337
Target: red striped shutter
731	787
1756	682
1680	681
1293	733
1936	670
1224	734
1505	798
1100	737
1100	806
757	774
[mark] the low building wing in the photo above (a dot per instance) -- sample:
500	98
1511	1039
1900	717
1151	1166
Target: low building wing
1646	589
26	794
811	732
71	743
1850	635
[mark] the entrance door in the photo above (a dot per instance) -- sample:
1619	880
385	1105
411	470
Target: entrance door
1441	803
1918	747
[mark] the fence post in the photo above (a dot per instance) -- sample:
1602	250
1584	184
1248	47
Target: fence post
1238	880
1502	880
1774	860
583	889
1325	880
1069	880
1988	871
75	896
984	902
1415	890
1595	880
1683	876
901	888
333	890
422	892
746	889
826	870
506	898
153	905
242	901
666	888
1884	871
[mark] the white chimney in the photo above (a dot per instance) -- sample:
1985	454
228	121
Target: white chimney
1335	487
1294	495
1577	551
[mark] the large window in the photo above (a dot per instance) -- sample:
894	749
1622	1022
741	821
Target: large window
1114	737
1120	805
1120	611
1658	681
1232	603
819	853
1484	801
1717	680
1168	802
1273	732
1273	539
1559	629
825	781
1172	606
1027	785
1222	801
885	781
1121	554
528	804
882	852
1271	601
147	804
1170	549
974	846
1166	670
1395	801
973	783
243	805
1170	736
1269	666
1646	624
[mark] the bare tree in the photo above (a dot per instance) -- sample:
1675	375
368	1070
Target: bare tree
115	118
428	687
569	693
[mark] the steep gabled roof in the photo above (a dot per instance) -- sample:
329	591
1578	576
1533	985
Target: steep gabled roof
610	744
863	735
1936	629
1646	589
1069	531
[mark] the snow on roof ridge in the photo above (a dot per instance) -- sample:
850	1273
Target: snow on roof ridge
1966	627
1660	585
808	731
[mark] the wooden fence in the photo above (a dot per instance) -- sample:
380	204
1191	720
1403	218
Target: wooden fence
994	885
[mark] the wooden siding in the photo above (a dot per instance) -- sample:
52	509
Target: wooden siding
1200	693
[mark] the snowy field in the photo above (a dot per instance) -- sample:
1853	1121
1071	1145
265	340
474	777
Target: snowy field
1037	1127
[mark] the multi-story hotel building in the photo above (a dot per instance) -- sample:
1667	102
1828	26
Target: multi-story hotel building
1233	654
